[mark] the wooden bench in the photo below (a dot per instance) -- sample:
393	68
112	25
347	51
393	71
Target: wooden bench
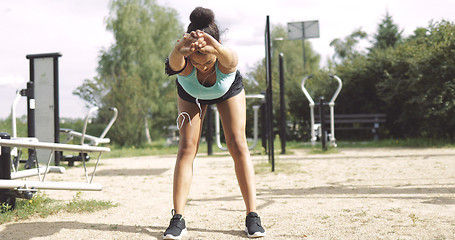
368	121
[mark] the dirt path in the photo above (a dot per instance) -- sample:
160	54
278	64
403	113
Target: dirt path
353	194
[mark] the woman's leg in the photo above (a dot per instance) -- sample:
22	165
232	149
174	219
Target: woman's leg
189	135
233	118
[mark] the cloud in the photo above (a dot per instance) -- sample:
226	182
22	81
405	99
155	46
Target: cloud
11	81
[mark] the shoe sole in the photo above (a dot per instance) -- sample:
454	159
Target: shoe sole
170	236
255	235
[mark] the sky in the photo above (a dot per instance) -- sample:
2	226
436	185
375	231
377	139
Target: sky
77	30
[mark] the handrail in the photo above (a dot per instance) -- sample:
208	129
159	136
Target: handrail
307	95
111	122
331	105
13	114
340	85
86	122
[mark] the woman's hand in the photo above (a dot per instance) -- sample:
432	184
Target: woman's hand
205	43
190	43
199	41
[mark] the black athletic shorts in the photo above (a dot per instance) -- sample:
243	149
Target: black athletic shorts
236	88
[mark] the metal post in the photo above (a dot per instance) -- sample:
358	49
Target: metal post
304	56
58	155
5	173
303	44
323	131
269	98
282	107
209	133
263	126
30	92
311	104
332	110
256	126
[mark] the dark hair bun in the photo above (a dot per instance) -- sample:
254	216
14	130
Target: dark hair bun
202	17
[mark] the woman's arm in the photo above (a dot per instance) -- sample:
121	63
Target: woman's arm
226	57
184	47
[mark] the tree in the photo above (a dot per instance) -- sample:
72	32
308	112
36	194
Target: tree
346	49
131	72
412	81
388	34
419	87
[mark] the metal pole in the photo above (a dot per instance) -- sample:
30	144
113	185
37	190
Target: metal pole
311	104
209	132
256	126
5	173
218	131
30	92
303	44
58	155
304	55
332	110
322	117
269	97
282	107
263	126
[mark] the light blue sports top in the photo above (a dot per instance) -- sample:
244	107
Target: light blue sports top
193	87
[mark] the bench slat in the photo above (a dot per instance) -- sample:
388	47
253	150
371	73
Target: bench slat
375	115
358	121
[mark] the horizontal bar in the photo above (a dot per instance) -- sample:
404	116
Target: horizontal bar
52	146
350	121
260	96
43	55
34	172
93	139
359	121
354	128
372	115
19	184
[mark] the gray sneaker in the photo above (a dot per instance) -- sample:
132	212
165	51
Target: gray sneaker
176	228
253	227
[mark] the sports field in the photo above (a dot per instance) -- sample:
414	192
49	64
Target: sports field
382	193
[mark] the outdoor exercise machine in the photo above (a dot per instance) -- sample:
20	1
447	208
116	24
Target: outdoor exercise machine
255	127
71	134
42	94
92	140
318	129
43	120
10	188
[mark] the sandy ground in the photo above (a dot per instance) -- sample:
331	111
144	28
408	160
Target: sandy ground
353	194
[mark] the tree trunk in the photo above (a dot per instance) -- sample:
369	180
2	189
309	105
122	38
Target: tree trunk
147	130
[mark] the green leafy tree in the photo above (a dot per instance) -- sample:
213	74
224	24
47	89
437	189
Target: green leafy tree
412	82
131	71
388	34
345	49
419	85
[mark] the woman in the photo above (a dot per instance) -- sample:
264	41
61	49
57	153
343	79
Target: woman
207	74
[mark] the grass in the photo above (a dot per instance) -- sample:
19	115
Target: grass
159	147
408	142
42	206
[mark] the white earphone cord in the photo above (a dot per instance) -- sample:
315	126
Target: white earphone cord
197	103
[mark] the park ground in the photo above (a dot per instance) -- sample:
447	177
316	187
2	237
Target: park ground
364	193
